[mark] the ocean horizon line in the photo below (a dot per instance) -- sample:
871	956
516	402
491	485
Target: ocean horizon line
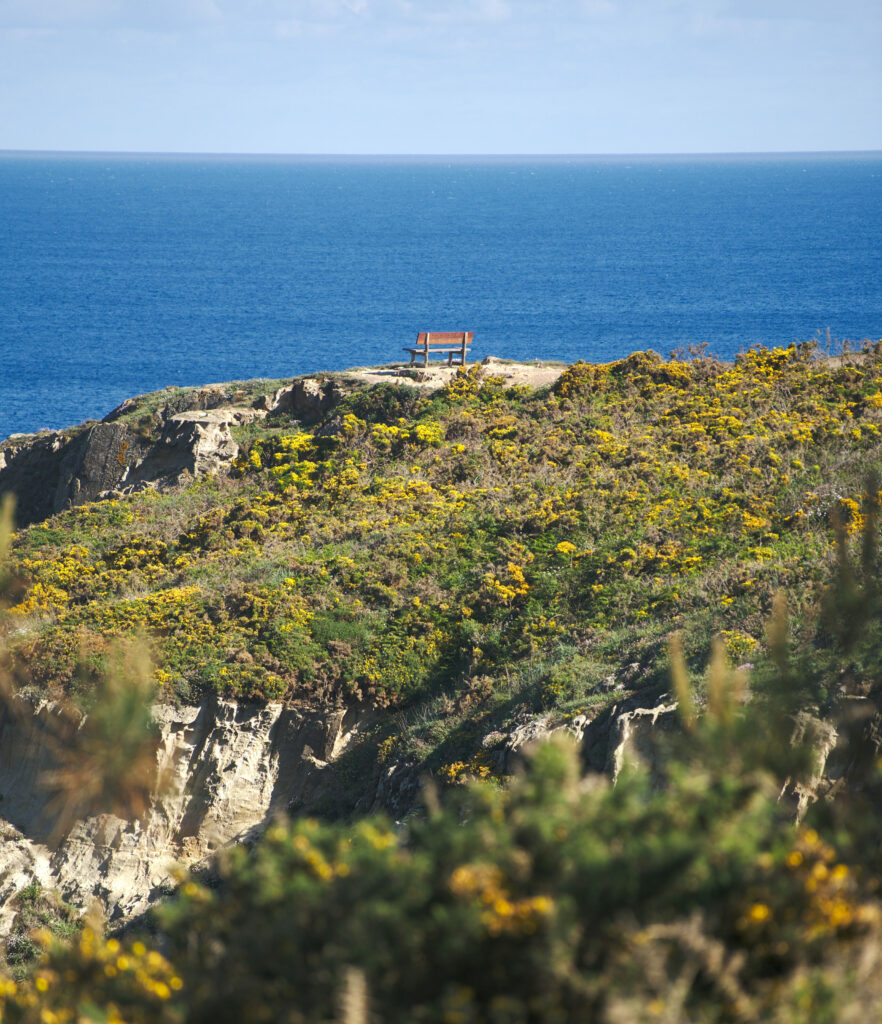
434	157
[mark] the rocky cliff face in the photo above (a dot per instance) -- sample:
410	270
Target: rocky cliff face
52	471
228	768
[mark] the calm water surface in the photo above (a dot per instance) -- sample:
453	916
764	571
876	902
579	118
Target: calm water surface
120	275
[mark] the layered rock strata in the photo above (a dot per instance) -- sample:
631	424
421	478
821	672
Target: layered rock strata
227	769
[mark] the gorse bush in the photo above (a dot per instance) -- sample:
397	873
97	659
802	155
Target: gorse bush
686	895
469	532
543	901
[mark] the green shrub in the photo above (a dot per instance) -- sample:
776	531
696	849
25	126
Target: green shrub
41	909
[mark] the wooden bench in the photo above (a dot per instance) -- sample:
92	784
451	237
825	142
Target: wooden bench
451	342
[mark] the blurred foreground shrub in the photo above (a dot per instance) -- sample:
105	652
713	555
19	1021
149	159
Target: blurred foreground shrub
554	899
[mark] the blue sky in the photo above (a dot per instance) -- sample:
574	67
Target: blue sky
441	76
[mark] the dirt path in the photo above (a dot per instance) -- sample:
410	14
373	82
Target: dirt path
534	375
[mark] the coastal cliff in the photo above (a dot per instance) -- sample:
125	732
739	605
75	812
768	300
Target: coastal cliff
361	592
133	448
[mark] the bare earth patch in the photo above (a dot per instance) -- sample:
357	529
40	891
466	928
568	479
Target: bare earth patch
433	376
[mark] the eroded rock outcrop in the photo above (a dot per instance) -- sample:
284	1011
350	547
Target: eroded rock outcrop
52	471
228	767
307	399
49	473
189	444
21	863
628	731
190	435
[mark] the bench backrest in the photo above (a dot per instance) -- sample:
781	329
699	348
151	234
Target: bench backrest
429	338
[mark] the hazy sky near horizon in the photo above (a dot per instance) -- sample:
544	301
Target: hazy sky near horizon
441	76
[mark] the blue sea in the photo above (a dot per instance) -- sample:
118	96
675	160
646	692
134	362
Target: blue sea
122	274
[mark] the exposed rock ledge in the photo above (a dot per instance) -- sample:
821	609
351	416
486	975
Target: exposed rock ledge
230	767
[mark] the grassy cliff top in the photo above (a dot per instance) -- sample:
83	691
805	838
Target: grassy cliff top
471	554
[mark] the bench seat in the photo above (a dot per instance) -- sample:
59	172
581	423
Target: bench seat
450	342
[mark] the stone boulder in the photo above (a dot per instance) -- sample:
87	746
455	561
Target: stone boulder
308	399
190	444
